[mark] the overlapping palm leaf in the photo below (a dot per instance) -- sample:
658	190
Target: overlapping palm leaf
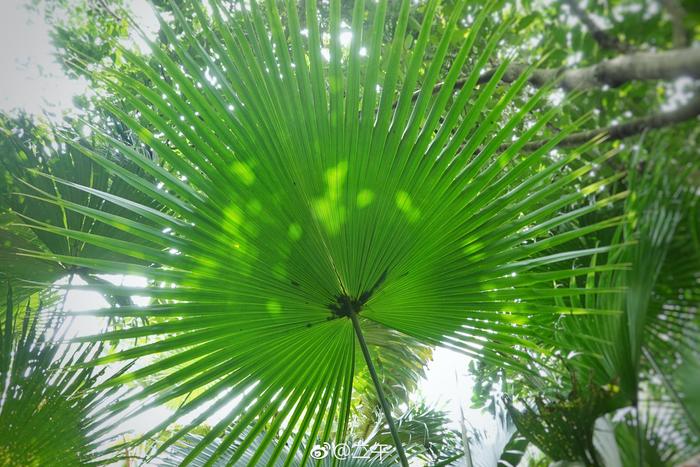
50	412
422	429
34	158
301	180
176	455
563	428
670	352
674	321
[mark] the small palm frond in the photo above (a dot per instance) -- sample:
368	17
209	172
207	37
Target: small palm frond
563	428
424	433
300	183
50	413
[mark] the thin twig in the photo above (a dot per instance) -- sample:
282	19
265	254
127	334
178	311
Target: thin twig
631	128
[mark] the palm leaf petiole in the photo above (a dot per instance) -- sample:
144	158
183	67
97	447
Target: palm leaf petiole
378	387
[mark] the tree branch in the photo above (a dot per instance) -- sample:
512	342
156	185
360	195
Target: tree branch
604	38
677	14
633	127
641	66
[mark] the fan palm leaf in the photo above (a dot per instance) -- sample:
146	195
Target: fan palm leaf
301	183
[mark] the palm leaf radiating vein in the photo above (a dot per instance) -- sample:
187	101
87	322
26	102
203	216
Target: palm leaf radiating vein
297	189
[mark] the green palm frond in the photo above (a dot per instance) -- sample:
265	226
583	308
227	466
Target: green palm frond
674	321
299	183
671	348
689	385
421	427
424	432
658	272
656	210
50	413
12	239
